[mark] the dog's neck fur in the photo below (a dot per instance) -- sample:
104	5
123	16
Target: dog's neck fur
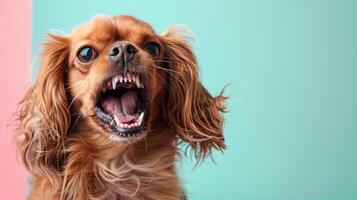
109	170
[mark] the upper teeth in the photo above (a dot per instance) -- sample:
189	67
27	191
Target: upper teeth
127	78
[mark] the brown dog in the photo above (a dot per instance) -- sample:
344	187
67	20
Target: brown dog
110	105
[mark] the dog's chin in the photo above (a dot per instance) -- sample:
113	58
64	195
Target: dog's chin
121	107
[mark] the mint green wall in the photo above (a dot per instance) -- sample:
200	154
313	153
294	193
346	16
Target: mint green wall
291	132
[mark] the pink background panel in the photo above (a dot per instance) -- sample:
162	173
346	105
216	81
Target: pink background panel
15	35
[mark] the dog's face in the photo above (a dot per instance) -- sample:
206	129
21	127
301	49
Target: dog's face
116	72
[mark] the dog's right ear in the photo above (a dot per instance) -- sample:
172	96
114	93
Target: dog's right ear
44	117
191	110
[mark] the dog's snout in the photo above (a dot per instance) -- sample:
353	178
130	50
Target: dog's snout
122	53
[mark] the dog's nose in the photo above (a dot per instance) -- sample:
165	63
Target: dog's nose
122	53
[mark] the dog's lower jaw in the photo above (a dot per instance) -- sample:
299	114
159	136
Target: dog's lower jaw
145	170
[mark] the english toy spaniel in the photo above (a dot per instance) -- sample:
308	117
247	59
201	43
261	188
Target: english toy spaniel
110	105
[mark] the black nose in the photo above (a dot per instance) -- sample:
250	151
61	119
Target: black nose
122	53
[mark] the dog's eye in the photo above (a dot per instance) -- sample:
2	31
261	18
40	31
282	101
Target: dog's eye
86	54
153	48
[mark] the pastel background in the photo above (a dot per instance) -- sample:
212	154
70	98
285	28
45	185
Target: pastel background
15	57
291	130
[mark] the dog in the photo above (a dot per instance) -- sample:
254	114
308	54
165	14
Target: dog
110	109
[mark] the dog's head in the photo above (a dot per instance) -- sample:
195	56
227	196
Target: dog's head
121	79
116	74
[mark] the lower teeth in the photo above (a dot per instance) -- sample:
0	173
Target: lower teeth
117	122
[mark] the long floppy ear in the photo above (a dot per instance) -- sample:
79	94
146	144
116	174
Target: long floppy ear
44	117
191	111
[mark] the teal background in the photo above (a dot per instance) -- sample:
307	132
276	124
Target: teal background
291	130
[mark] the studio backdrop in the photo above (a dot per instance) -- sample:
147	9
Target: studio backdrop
290	66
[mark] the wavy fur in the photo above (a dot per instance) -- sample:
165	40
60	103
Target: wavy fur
71	157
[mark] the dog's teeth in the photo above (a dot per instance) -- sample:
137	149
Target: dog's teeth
120	78
129	78
141	117
114	86
117	121
122	125
141	85
112	123
137	81
125	79
115	80
104	89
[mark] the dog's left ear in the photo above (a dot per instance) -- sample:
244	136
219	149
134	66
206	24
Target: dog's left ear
44	118
190	110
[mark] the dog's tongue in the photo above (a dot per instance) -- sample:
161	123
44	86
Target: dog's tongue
123	107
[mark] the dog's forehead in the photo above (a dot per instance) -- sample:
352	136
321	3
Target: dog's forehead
104	28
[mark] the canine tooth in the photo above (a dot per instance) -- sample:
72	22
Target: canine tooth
117	121
112	123
137	81
115	80
140	85
141	117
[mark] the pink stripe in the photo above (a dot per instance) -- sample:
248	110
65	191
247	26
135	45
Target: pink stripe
15	48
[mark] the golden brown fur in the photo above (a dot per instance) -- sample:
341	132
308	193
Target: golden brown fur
67	152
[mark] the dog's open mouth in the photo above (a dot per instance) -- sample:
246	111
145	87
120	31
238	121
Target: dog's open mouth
121	105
